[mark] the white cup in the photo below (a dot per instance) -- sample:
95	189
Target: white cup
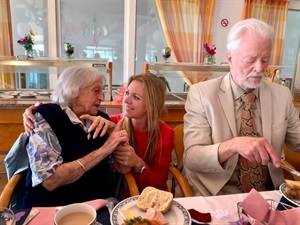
78	213
7	216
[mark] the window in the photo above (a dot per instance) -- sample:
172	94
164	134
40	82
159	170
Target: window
96	29
291	45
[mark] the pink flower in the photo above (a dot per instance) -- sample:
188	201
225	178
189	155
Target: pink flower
210	50
27	40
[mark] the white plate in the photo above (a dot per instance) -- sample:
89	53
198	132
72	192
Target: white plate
43	93
176	215
27	95
6	96
283	188
13	93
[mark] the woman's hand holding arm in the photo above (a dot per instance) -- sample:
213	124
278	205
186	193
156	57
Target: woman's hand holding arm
29	119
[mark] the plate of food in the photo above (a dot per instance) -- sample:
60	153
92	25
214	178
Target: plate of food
153	207
291	191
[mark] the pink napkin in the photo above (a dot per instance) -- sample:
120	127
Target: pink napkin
46	214
259	209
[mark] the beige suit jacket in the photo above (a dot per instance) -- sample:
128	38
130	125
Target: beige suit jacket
210	120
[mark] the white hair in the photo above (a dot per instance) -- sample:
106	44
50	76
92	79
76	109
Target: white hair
265	31
72	80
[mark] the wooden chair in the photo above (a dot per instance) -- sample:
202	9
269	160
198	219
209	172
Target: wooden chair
292	160
292	157
177	176
11	196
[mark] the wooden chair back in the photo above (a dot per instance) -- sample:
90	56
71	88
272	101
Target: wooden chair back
178	142
177	176
10	189
292	157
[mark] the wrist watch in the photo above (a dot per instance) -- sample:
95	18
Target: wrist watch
142	170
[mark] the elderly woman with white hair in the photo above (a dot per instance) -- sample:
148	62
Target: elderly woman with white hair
67	164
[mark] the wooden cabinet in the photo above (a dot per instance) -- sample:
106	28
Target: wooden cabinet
11	120
11	125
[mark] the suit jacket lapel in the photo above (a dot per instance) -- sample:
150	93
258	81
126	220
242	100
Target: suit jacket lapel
266	112
226	100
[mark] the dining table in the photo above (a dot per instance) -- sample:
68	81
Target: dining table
222	208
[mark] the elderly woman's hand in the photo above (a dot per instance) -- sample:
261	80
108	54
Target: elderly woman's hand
28	118
117	137
99	124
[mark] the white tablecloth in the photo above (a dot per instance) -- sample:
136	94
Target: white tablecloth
223	208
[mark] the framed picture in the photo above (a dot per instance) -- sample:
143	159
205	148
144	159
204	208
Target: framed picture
286	82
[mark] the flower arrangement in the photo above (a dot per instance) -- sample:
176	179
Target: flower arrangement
166	52
210	53
27	40
69	49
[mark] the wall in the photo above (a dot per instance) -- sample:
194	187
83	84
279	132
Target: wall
219	33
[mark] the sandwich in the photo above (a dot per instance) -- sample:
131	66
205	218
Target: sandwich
293	190
156	199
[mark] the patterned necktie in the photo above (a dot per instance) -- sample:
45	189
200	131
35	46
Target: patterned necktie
249	173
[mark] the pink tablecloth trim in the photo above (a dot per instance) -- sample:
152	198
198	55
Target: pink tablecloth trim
46	215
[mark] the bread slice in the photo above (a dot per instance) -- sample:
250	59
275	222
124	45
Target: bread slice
156	199
295	185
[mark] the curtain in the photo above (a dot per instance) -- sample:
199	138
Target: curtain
6	47
187	25
273	12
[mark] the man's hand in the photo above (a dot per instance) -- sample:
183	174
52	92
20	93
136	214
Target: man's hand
256	149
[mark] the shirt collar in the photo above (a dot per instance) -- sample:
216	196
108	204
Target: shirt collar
74	119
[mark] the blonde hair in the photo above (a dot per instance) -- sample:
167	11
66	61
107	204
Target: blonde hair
155	94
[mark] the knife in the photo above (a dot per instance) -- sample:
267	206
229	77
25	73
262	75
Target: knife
292	171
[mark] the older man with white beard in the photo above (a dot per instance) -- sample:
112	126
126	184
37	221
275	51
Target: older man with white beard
233	140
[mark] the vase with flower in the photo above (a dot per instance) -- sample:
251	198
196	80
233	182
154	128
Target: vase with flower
27	43
210	54
69	49
166	53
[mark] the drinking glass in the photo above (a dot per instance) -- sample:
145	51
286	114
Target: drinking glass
7	217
